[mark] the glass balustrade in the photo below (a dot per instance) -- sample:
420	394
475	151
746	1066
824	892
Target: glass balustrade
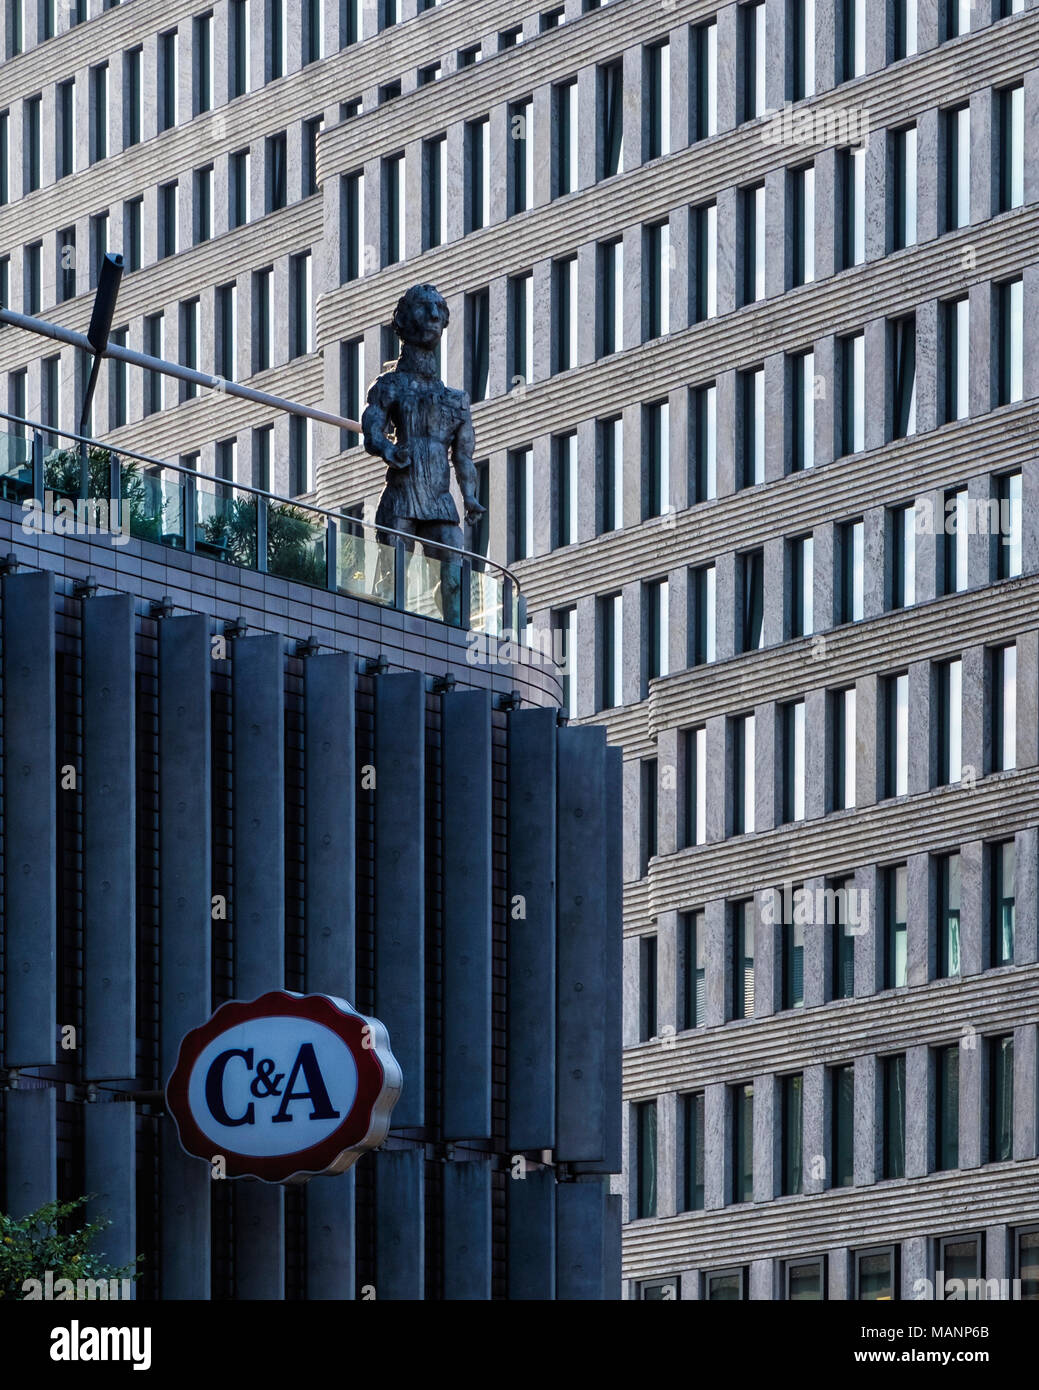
15	467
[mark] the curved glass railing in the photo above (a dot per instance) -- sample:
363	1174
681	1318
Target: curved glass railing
77	486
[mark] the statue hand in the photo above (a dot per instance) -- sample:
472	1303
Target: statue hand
473	510
398	456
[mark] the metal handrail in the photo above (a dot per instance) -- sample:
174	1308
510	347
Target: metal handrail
467	559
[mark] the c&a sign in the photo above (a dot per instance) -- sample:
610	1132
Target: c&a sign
285	1087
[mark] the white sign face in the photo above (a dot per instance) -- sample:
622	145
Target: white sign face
272	1086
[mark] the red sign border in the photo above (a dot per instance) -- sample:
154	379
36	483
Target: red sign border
319	1158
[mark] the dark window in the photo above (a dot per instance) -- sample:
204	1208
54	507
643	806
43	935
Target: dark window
742	1101
842	1080
1001	1098
1003	861
693	1133
947	1108
694	975
277	172
646	1159
611	88
647	988
893	1102
793	1134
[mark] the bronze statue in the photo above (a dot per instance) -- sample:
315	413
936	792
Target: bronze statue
420	428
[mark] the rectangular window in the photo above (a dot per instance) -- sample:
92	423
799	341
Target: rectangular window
611	290
167	80
851	559
657	629
227	330
852	190
802	582
262	450
893	1109
658	83
647	988
203	204
1011	342
611	456
168	220
705	228
802	67
133	95
566	133
752	574
657	251
842	908
477	314
1003	902
1001	1098
50	392
802	433
794	761
277	172
803	206
203	25
1026	1263
276	36
950	722
705	443
956	382
301	338
693	1148
752	60
702	587
842	1103
33	278
695	811
521	465
263	322
99	113
239	46
353	266
66	268
753	202
238	209
479	139
352	395
903	377
742	1101
564	284
5	150
311	131
752	400
905	29
1008	550
611	106
743	775
896	735
648	782
957	167
957	18
190	329
521	308
612	651
314	47
725	1285
521	156
98	246
947	1108
646	1159
955	542
154	346
842	705
793	1134
853	393
896	899
1011	147
436	192
904	187
793	974
743	919
1004	709
565	448
656	425
565	625
32	109
806	1280
903	557
948	916
705	52
876	1271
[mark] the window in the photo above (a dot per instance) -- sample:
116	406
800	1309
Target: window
353	266
851	559
263	323
611	104
802	572
657	430
33	278
947	1108
725	1285
1001	1098
956	383
843	906
802	183
1008	550
1011	147
955	542
32	144
239	48
314	45
429	74
802	433
521	306
5	152
99	113
950	722
903	378
203	204
168	217
48	18
15	28
1011	342
277	172
646	1159
1004	709
1026	1263
647	988
521	468
611	282
742	1101
752	399
311	131
957	18
436	192
752	59
239	190
694	971
802	67
203	26
133	96
564	284
154	346
948	916
905	29
793	947
896	896
566	133
18	388
852	192
226	330
657	251
806	1279
876	1271
893	1112
842	1112
301	337
705	230
521	156
66	269
300	454
658	83
853	393
226	465
276	38
479	210
793	734
565	624
98	246
693	1128
752	574
167	80
566	489
703	634
612	651
695	819
262	450
352	395
792	1101
659	1291
705	55
657	629
477	315
389	13
842	708
648	812
1003	906
705	443
510	38
957	167
904	188
896	735
50	393
611	462
469	57
903	557
753	252
743	919
189	345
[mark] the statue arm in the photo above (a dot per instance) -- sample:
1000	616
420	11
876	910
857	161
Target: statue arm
374	423
463	448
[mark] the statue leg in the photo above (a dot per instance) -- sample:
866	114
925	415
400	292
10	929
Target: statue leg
385	568
434	535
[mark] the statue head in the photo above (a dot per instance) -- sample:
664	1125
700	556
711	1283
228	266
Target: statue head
421	316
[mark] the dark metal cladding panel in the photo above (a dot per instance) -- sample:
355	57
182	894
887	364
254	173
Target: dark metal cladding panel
30	1168
110	1175
582	1239
467	1230
532	1235
614	941
330	778
400	887
467	925
109	806
582	955
330	1229
30	846
259	1241
400	1220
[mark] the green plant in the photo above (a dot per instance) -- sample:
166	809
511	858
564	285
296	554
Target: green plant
45	1240
291	536
62	474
